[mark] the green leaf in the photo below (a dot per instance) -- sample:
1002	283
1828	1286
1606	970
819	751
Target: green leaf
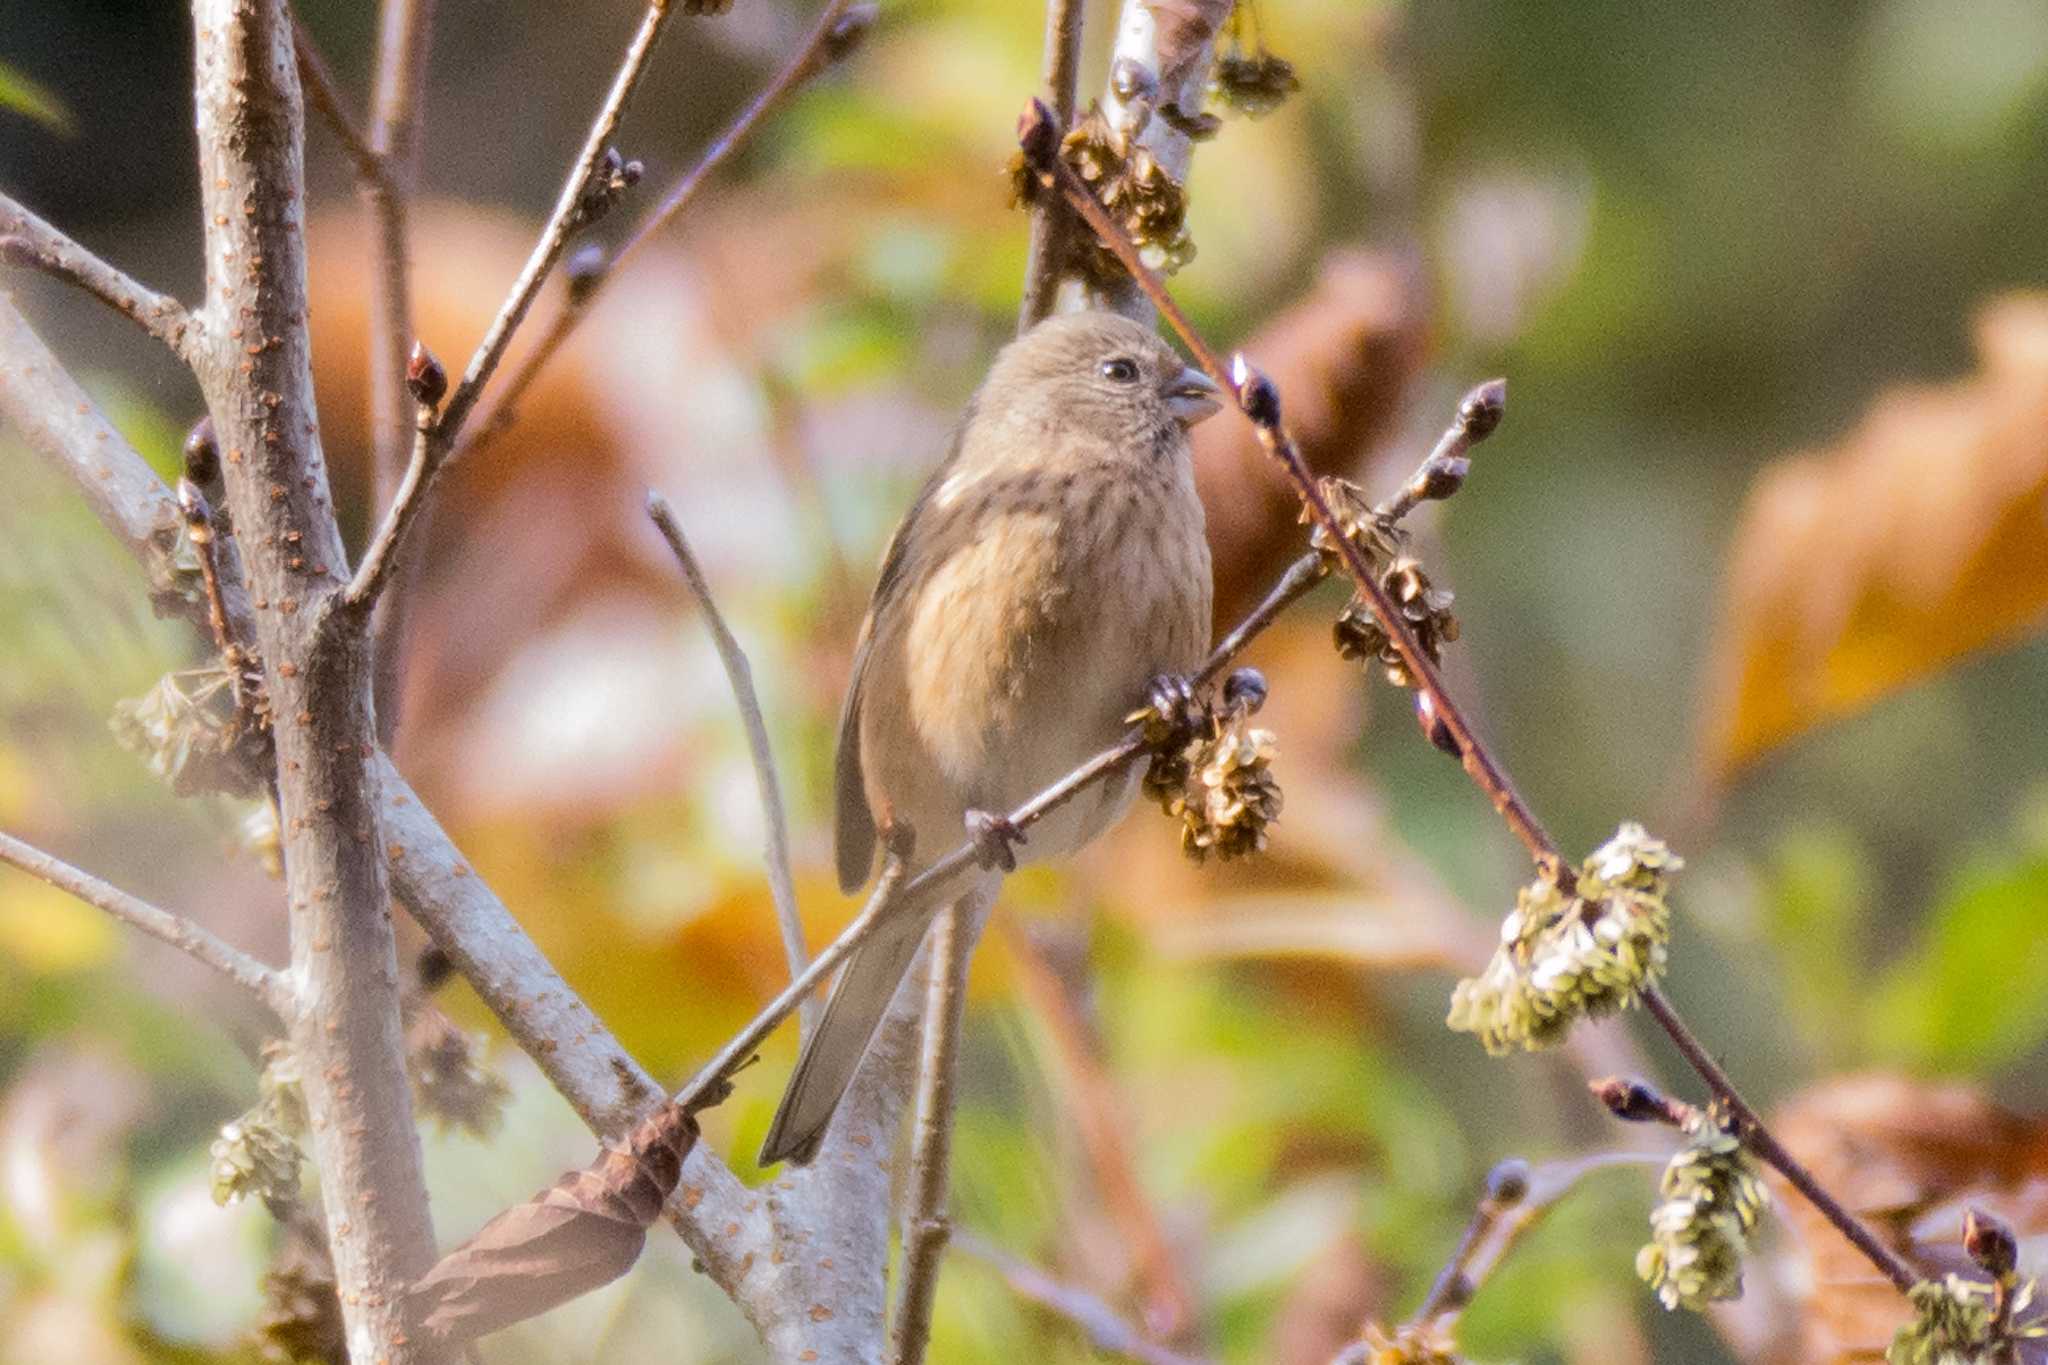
1974	991
24	95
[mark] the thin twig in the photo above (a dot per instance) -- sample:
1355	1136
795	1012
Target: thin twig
781	885
33	244
324	94
926	1224
1259	401
1052	222
396	99
1105	1330
887	901
1765	1144
834	37
436	435
267	985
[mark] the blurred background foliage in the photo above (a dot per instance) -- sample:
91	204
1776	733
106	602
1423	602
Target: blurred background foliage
1696	240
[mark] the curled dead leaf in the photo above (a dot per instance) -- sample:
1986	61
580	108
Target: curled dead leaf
1921	538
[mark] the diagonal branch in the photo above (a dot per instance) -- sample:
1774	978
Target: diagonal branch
264	983
29	242
1259	401
436	437
1105	1330
781	885
833	38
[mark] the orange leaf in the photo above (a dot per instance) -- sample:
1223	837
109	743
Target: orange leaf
1921	538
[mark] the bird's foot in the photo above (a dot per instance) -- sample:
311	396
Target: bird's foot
1173	700
995	839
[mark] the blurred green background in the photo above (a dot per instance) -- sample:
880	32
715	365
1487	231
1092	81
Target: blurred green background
1694	239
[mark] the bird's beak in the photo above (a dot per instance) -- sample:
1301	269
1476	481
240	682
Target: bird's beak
1191	396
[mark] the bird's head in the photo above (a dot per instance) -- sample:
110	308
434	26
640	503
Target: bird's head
1099	371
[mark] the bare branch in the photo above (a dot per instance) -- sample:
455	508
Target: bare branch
30	243
269	988
1052	222
833	38
324	94
62	425
780	883
1105	1330
926	1225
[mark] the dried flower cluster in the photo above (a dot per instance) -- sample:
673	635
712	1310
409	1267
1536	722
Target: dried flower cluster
301	1318
447	1079
1214	775
193	734
1250	81
1425	607
1146	201
1563	957
1713	1192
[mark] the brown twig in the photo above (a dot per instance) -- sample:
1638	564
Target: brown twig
1105	1330
781	885
926	1224
1052	222
834	37
1259	401
324	96
1765	1144
32	244
262	982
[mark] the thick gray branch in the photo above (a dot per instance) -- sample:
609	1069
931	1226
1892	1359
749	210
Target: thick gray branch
256	372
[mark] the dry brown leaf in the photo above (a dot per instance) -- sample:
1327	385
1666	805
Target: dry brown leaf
1921	538
1907	1157
582	1232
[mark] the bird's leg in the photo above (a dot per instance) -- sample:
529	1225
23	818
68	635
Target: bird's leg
995	839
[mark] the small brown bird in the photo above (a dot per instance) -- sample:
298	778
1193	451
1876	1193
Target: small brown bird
1050	578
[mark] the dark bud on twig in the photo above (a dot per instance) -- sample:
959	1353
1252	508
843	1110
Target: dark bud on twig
1990	1243
585	270
1507	1184
1038	136
1440	478
1244	691
609	179
1433	728
851	30
202	454
198	512
1257	396
425	380
432	968
1635	1101
1483	408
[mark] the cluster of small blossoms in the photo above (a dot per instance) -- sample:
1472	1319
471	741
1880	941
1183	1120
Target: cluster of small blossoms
1713	1192
1149	204
1958	1322
1424	607
1565	957
257	1152
1216	777
1409	1344
1251	82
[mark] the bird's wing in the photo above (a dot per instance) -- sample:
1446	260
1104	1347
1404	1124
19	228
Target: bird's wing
854	823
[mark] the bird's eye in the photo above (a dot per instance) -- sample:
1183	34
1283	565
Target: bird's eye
1122	370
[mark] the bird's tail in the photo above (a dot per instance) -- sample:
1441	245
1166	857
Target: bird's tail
853	1011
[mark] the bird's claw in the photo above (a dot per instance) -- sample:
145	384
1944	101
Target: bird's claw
1173	700
995	839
